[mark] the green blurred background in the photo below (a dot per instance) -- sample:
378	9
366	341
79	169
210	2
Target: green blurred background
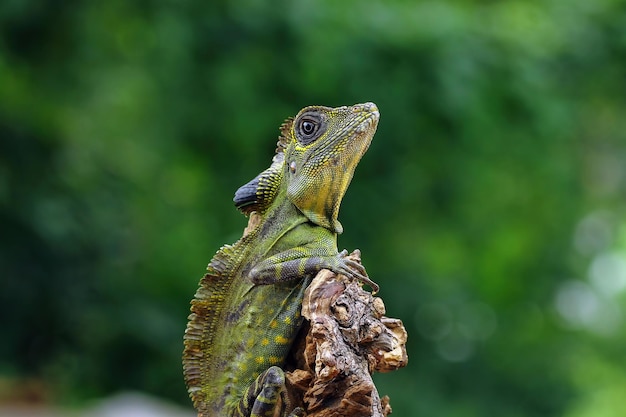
490	206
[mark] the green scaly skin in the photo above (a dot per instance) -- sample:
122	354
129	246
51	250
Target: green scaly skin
246	311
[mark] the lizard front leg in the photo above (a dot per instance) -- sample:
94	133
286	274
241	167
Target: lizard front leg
298	262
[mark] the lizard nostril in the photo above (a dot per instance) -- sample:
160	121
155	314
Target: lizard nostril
369	106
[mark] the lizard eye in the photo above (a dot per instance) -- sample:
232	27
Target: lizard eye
309	128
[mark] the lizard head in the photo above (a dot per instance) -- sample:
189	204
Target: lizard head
324	147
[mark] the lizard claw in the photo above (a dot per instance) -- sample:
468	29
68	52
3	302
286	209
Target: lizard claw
356	270
297	412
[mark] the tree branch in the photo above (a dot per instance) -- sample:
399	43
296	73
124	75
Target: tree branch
347	338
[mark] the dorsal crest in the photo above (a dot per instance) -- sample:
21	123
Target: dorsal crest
285	135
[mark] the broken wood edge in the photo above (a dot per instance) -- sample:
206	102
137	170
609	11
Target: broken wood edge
345	339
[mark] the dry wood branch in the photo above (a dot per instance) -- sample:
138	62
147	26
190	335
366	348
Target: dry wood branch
348	338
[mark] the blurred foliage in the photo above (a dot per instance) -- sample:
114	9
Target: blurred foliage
489	207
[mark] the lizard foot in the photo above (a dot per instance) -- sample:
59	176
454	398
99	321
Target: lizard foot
263	395
355	270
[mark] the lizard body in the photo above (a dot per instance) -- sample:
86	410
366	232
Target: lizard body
246	311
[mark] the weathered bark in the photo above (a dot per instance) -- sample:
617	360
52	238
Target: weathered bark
347	338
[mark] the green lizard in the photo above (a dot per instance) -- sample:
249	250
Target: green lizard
246	311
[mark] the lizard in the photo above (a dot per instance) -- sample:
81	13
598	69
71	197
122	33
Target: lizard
246	311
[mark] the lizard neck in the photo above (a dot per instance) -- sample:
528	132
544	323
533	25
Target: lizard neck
279	218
